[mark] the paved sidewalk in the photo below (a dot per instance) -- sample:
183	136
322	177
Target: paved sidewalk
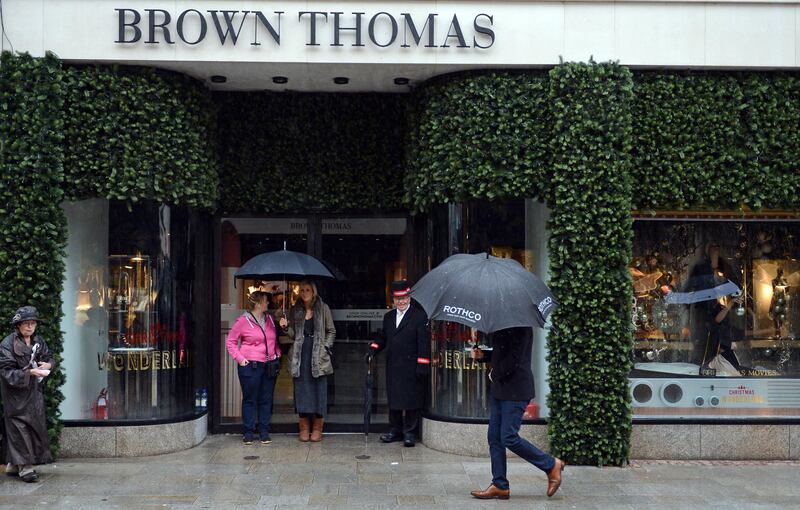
222	473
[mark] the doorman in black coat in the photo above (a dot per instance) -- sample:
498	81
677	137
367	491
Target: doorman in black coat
406	338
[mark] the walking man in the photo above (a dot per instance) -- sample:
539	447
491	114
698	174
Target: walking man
511	389
406	338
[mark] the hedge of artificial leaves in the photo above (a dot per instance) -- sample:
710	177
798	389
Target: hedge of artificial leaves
32	224
590	245
481	136
136	134
284	152
716	141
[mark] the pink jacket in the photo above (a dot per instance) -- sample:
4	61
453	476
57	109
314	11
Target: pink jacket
252	336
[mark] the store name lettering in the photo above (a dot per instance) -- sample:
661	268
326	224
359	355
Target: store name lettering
457	360
157	26
138	361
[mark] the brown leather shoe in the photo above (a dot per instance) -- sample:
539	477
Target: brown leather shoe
554	477
491	493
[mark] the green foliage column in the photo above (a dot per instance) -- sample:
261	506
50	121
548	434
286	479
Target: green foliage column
32	225
590	246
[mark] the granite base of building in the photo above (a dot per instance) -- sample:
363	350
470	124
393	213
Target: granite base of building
687	442
133	441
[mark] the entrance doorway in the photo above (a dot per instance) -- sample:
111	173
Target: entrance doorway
365	254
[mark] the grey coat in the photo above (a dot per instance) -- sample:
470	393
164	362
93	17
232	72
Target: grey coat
324	335
26	440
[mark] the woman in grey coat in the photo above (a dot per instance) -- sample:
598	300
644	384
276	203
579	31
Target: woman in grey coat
311	325
24	361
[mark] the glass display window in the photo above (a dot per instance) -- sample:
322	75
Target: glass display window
716	316
131	313
515	230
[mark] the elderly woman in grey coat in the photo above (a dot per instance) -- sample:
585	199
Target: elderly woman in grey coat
24	361
311	325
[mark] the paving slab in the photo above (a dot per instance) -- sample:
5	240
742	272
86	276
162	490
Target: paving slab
224	474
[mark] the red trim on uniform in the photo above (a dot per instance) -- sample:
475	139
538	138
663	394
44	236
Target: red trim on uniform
424	361
402	292
373	345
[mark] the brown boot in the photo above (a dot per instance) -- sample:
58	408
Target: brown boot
304	426
316	429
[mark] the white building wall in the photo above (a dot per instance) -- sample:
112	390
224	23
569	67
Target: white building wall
695	34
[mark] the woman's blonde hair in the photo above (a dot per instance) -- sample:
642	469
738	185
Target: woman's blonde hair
313	291
256	297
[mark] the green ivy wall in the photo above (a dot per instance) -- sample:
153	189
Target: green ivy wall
590	228
289	152
32	224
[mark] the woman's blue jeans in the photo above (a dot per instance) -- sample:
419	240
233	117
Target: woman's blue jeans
505	419
257	391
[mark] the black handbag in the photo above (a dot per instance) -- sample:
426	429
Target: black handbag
273	368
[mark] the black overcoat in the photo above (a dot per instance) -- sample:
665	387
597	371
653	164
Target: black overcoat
408	353
512	378
26	441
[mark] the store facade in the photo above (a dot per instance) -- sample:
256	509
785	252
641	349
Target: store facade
149	294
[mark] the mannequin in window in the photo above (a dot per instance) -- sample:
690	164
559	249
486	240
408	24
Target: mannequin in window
777	305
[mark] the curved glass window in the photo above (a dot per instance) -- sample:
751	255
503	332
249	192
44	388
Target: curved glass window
459	386
129	311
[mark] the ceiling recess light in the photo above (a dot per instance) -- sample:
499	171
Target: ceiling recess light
341	80
218	78
280	80
401	81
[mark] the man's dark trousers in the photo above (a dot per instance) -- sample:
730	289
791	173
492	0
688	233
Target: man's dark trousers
505	419
403	425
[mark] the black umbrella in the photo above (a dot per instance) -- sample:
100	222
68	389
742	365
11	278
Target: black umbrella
283	264
484	292
367	405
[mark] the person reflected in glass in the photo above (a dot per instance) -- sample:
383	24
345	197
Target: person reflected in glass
253	343
711	320
24	361
310	324
406	338
511	388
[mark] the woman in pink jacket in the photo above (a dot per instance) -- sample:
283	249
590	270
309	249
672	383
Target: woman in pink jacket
253	344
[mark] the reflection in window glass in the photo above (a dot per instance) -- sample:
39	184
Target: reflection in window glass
459	386
716	298
715	319
130	313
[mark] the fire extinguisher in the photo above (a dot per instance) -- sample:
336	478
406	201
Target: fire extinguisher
531	411
101	405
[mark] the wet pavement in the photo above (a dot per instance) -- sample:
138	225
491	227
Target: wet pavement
222	473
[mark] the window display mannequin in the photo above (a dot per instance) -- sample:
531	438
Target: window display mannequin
777	305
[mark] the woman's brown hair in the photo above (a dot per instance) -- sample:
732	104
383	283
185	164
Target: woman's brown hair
256	297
